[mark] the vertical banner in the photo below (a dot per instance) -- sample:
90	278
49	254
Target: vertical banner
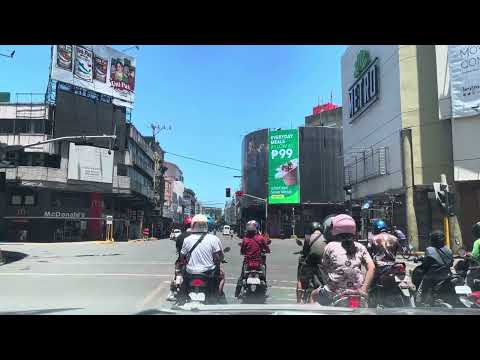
464	61
283	170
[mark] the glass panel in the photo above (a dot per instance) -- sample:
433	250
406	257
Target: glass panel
16	199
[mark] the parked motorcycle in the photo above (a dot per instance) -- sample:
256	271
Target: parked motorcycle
199	288
391	287
449	292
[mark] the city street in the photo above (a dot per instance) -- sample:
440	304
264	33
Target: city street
118	278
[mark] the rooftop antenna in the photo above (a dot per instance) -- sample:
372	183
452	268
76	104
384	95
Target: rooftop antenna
331	96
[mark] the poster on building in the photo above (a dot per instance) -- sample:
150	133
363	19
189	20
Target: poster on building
283	169
464	62
90	163
98	68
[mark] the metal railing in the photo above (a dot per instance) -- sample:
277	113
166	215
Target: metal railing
366	165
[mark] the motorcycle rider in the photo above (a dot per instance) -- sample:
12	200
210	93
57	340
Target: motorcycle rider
475	254
206	257
342	261
252	248
311	257
383	244
435	266
178	244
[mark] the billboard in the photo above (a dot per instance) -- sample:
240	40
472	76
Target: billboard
464	61
89	163
98	68
283	167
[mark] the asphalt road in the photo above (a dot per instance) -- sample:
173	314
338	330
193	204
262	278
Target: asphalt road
118	278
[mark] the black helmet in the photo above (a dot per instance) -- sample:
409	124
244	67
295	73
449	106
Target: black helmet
476	230
437	238
316	226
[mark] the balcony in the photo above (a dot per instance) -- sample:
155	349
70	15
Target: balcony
366	165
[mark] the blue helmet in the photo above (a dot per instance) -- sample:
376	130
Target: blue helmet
379	226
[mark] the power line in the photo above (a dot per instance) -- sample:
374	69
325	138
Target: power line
202	161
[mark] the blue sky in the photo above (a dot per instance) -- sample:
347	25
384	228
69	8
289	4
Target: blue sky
210	95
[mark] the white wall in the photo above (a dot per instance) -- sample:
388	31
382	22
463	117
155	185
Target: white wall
464	130
380	124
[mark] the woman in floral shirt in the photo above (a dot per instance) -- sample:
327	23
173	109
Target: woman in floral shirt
342	261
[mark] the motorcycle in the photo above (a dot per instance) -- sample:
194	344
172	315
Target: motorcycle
199	288
449	292
391	287
254	286
350	299
311	278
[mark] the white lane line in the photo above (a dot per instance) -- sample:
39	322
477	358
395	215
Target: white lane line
91	274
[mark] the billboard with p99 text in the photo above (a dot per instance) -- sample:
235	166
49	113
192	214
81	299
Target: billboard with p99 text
98	68
283	167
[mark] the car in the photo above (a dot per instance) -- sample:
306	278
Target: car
226	230
175	233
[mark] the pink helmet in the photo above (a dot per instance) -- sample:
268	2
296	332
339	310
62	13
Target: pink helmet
343	224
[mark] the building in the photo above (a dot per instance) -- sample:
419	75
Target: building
395	144
63	191
215	213
174	188
230	212
189	202
329	115
321	181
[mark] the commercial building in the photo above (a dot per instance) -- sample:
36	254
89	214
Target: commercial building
319	175
395	143
174	188
63	191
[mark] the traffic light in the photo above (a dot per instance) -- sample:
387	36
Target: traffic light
445	198
227	192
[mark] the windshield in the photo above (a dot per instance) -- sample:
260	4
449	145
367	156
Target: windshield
272	179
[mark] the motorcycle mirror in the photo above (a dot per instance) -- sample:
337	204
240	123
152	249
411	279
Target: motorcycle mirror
227	249
299	242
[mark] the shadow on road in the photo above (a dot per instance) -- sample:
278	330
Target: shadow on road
12	256
37	312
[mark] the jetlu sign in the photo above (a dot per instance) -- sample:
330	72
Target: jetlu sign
364	91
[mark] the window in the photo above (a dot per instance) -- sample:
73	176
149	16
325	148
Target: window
22	126
6	126
16	200
29	199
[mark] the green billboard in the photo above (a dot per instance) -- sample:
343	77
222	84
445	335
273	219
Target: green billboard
283	167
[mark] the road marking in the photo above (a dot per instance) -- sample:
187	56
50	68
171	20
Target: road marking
91	274
152	295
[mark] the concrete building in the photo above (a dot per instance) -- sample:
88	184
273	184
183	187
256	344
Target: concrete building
230	212
189	201
395	145
328	115
174	188
63	191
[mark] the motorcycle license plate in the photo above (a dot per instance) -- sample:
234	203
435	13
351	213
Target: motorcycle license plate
253	281
197	296
463	290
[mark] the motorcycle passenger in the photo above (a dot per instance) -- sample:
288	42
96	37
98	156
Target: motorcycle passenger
311	257
435	266
206	256
399	234
475	254
178	244
342	261
252	248
384	245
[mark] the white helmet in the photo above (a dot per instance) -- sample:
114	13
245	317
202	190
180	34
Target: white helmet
199	224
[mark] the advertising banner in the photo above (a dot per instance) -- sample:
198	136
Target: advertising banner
90	163
283	167
98	68
464	62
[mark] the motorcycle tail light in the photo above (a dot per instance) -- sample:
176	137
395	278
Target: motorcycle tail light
354	302
475	296
197	282
400	269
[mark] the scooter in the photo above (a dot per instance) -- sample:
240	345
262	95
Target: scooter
449	292
391	287
312	280
200	288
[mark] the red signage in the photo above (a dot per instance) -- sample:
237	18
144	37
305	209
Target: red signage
325	107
